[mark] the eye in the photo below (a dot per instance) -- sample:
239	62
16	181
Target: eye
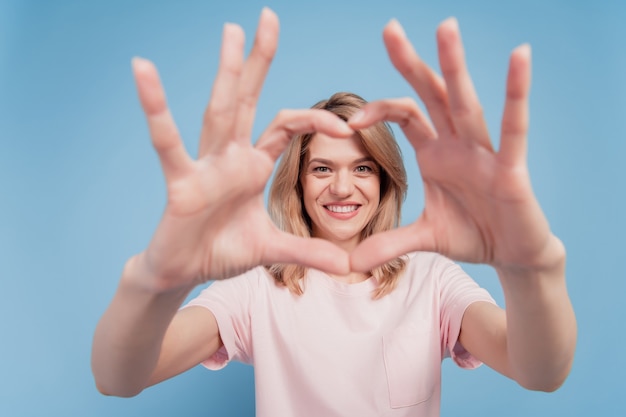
362	169
321	169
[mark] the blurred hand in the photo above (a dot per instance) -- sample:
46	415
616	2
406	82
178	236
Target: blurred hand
215	224
479	204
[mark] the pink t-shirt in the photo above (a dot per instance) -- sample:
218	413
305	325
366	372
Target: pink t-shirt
336	352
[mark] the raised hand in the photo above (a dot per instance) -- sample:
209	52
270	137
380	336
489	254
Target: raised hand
479	204
215	225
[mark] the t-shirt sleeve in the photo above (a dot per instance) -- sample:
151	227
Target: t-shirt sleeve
457	292
230	301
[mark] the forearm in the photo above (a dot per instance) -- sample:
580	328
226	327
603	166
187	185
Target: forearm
128	338
541	326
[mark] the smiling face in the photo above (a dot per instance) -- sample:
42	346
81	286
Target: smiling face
341	189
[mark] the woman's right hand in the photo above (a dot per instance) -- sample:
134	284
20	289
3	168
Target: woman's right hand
215	225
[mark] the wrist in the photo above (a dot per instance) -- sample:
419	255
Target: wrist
540	280
138	276
549	261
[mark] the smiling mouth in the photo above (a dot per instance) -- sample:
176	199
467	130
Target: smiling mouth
342	209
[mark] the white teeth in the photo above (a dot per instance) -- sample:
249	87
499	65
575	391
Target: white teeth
342	209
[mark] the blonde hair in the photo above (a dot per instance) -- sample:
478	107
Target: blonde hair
286	207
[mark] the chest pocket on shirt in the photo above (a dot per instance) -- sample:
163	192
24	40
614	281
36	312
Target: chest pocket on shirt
410	364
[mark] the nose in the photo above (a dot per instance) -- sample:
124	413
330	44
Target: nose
342	184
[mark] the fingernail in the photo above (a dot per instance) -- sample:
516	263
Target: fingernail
395	23
525	48
346	130
451	22
139	63
357	117
266	10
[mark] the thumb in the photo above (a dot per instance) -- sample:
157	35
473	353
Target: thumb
385	246
309	252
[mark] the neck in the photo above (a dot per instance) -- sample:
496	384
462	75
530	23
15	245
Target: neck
351	278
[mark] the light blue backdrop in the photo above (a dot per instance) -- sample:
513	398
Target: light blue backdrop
81	189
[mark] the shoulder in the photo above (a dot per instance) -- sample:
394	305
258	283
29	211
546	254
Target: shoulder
242	286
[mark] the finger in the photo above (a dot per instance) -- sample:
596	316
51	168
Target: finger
404	112
254	73
465	108
219	117
163	131
310	252
289	123
513	141
428	85
383	247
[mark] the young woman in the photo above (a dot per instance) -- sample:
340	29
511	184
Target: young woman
340	311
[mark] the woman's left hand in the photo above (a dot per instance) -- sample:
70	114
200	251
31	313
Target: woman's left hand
479	204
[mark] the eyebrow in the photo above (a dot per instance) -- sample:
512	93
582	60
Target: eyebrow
329	162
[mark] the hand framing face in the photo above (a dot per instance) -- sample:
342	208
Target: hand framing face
479	204
215	225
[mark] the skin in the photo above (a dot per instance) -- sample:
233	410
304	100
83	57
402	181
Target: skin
479	208
340	173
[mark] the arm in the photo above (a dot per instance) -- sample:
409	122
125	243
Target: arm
480	207
214	225
142	339
533	340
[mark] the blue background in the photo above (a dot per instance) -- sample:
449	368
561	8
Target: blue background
81	189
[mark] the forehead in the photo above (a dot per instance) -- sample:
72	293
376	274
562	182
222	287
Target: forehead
326	147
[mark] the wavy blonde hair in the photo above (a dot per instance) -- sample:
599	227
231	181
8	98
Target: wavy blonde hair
286	207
